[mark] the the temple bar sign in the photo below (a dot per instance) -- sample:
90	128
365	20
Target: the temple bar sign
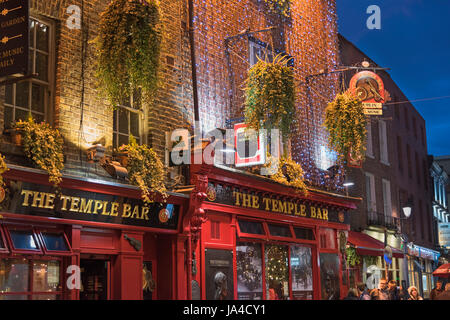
14	17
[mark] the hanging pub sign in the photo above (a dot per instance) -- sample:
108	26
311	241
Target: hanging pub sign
369	87
353	161
274	204
39	200
250	147
14	17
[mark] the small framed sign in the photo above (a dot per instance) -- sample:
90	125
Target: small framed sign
249	145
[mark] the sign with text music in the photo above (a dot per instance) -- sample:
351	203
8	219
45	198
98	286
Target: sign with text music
14	17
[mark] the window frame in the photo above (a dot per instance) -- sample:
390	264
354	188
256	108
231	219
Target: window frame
369	141
3	239
251	235
305	241
254	42
46	251
387	197
48	85
141	122
280	238
15	250
384	148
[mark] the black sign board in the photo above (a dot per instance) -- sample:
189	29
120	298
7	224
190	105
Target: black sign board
38	200
14	17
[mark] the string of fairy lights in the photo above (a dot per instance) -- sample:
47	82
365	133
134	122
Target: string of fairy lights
309	36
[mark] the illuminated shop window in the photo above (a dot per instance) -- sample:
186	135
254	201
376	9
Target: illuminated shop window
33	95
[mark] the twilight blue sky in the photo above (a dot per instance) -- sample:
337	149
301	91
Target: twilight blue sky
414	41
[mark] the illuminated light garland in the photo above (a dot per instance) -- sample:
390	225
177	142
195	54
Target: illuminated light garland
310	37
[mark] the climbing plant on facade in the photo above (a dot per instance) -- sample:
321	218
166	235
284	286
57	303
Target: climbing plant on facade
128	49
282	7
270	96
145	170
353	258
288	173
346	125
3	168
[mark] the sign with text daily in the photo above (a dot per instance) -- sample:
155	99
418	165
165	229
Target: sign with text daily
14	17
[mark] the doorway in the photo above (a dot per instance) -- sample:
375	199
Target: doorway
94	279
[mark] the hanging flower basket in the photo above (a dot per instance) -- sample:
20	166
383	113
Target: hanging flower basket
43	145
346	125
3	169
282	7
128	49
289	173
145	170
270	96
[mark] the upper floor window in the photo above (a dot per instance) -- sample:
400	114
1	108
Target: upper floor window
370	193
383	142
263	51
33	95
387	198
127	121
369	149
400	153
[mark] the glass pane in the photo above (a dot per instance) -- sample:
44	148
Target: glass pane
22	93
13	276
115	120
44	297
123	140
45	276
8	117
301	270
31	35
9	94
279	231
134	124
123	122
251	227
22	114
115	141
31	62
13	297
42	37
55	242
38	98
249	271
304	233
277	272
23	240
42	66
329	275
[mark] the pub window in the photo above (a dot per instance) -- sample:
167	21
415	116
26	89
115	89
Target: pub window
33	95
215	229
24	240
304	233
127	120
327	238
55	242
279	231
263	51
251	227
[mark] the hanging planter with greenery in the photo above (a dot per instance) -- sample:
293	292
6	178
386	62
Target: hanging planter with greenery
353	258
288	173
346	122
3	168
282	7
128	49
145	170
270	96
43	145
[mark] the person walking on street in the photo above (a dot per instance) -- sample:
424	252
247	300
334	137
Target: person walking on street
352	294
414	293
437	290
393	291
382	292
446	294
363	292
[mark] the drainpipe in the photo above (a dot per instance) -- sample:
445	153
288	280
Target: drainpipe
193	61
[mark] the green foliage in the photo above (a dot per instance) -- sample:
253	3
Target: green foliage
3	168
289	173
283	7
370	260
145	170
128	49
270	96
44	146
353	258
346	124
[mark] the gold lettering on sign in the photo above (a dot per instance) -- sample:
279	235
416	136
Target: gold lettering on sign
26	198
282	205
114	209
49	201
97	206
64	202
75	201
86	207
126	210
266	202
290	207
246	200
325	214
237	196
255	204
38	199
105	206
135	212
313	212
145	211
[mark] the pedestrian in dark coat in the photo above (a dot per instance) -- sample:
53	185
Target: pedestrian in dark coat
351	295
444	295
437	290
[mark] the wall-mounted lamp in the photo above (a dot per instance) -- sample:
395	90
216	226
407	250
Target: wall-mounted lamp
407	208
95	153
114	169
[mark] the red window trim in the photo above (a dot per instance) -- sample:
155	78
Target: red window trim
306	227
251	235
54	252
279	238
13	249
3	239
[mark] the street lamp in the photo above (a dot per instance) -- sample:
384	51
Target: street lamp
407	210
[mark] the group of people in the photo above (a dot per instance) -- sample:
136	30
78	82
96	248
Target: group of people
388	290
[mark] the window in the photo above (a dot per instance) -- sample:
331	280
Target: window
327	238
127	121
369	149
279	231
387	198
55	242
400	154
408	154
370	193
251	227
383	142
249	271
215	229
304	233
263	51
23	240
33	95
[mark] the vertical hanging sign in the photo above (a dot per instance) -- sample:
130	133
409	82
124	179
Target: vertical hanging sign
369	87
14	17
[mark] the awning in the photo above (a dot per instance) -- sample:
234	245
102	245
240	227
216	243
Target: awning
368	246
443	271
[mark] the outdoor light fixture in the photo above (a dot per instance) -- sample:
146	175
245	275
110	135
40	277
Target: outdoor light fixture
348	184
95	153
114	169
407	208
365	64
